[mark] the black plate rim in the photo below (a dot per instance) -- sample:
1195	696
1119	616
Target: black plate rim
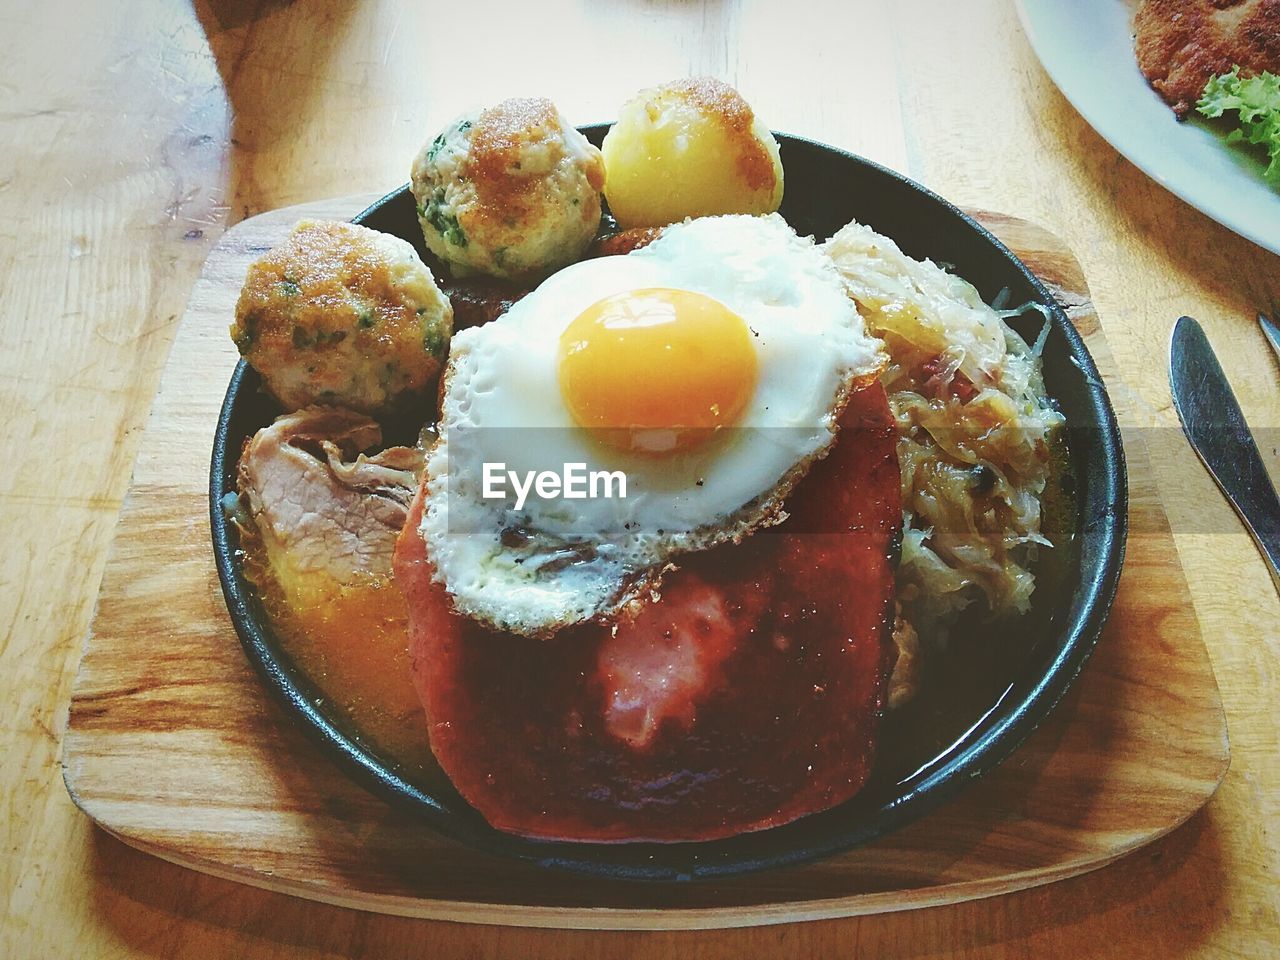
698	860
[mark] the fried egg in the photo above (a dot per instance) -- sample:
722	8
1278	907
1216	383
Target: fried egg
708	370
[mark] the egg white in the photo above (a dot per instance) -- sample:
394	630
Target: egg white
557	562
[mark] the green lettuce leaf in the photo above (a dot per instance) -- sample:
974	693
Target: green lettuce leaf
1256	101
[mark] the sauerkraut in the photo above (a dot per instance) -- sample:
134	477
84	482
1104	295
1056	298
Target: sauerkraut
975	432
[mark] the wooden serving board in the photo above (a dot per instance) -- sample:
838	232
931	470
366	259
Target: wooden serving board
174	746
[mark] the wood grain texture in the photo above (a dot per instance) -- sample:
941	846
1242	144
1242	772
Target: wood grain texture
174	747
134	132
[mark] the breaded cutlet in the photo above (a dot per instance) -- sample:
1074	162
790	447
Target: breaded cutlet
1182	43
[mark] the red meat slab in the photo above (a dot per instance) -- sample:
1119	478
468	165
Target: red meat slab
748	696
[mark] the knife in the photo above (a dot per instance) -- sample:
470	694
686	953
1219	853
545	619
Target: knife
1213	423
1270	330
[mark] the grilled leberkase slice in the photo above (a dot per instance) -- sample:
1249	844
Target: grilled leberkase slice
749	695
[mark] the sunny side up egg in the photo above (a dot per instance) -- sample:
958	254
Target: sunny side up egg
709	369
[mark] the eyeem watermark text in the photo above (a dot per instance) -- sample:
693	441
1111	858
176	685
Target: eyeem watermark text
574	482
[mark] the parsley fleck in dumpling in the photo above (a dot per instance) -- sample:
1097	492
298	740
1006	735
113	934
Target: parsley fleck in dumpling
342	315
512	191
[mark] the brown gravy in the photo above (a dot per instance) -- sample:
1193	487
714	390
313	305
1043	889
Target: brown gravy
355	651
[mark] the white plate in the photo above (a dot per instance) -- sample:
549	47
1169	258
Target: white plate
1087	48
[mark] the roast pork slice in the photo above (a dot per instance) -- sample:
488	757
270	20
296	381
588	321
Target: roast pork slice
327	514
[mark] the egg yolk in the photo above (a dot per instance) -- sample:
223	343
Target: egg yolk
657	370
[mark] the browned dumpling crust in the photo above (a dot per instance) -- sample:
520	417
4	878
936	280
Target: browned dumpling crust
512	191
342	315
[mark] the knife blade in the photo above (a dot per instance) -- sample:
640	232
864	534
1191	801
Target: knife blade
1270	330
1213	422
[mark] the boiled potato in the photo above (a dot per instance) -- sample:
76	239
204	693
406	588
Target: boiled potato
691	148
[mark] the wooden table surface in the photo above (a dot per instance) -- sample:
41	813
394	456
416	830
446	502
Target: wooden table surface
135	132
